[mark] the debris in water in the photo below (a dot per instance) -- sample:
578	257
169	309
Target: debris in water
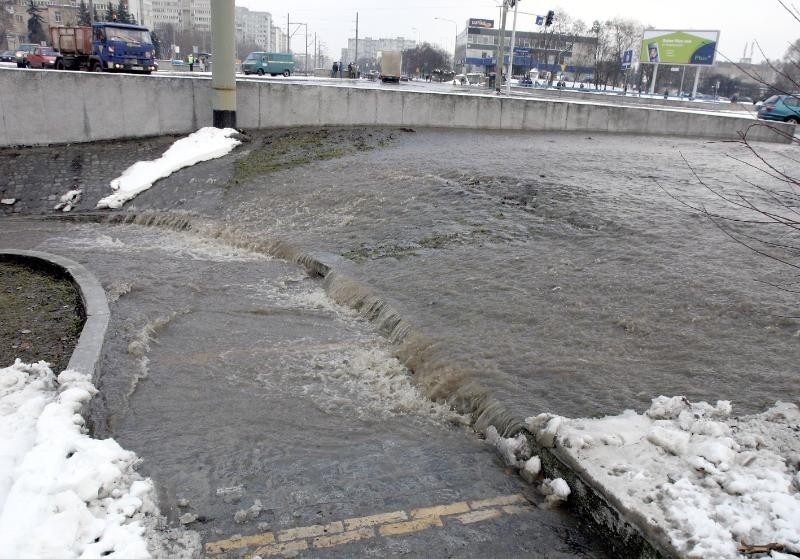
187	518
247	515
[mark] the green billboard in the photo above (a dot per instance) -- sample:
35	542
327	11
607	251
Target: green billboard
679	47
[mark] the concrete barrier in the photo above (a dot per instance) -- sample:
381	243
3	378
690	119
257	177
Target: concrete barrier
48	107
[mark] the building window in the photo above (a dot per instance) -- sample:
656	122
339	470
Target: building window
57	17
18	18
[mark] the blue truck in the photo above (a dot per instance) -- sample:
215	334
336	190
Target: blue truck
106	46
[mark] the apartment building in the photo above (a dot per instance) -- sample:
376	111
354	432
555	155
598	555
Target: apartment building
254	27
369	47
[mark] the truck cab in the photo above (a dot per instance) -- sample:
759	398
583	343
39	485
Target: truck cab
121	47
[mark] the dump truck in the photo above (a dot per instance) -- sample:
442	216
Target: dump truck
105	46
391	62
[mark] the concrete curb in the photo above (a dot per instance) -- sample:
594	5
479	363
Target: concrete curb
86	356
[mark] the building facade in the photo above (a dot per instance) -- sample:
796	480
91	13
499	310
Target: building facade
183	15
64	12
369	47
254	28
477	50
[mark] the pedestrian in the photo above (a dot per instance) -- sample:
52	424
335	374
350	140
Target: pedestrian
191	62
666	94
335	70
202	64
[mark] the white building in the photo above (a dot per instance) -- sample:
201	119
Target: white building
278	41
369	47
254	27
182	14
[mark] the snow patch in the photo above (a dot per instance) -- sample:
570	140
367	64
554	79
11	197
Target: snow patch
203	145
711	481
68	200
62	493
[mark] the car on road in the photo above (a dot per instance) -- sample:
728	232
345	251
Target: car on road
785	108
272	63
21	54
42	57
7	56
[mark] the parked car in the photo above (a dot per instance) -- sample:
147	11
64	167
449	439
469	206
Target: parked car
21	54
785	108
42	57
7	56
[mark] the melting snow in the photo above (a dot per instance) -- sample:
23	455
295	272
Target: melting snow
205	144
713	482
62	493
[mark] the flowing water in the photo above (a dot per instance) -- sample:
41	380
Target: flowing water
553	270
513	273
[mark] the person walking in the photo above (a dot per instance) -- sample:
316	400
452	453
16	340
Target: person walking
191	62
335	70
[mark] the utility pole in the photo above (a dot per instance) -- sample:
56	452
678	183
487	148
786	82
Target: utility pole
288	35
306	42
356	60
223	71
498	80
316	60
511	54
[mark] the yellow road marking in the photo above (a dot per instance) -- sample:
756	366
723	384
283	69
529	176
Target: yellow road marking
344	537
394	523
440	510
310	531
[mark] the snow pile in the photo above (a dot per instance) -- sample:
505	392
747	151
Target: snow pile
68	200
62	493
713	482
207	143
516	452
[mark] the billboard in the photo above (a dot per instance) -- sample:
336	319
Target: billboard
483	23
627	59
660	46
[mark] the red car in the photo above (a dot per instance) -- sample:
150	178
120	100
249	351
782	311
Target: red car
42	57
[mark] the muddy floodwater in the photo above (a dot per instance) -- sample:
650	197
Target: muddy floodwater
511	273
552	269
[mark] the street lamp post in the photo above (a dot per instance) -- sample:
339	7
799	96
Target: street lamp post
455	42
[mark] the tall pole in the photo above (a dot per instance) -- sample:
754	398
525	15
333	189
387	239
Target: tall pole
696	81
316	60
223	71
500	51
288	35
513	44
653	83
306	43
356	60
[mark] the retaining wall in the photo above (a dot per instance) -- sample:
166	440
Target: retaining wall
49	107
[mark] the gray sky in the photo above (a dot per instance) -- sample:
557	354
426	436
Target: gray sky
740	21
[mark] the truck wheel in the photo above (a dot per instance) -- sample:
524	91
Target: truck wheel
59	64
286	73
261	71
97	67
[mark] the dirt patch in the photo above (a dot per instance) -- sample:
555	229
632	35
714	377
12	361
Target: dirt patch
41	316
276	150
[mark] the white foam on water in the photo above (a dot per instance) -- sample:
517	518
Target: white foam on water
132	239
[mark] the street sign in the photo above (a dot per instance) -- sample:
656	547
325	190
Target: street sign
563	67
627	59
539	20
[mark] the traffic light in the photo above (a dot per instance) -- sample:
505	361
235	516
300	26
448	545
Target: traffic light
549	19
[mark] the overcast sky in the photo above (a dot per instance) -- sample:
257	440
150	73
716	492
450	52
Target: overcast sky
740	21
